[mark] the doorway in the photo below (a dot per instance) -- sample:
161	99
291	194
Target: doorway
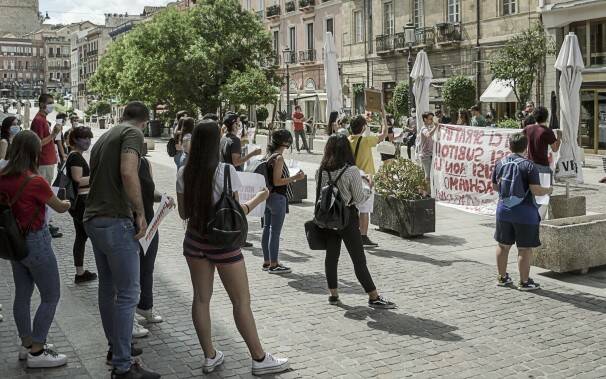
592	129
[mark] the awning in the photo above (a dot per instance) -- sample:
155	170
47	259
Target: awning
498	92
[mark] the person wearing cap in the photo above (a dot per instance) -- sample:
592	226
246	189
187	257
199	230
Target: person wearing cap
231	146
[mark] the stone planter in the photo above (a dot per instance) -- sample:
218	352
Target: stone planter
573	243
299	191
408	218
561	206
151	145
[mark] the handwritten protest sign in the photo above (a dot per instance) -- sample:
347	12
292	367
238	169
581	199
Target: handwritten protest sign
463	161
152	228
373	100
251	185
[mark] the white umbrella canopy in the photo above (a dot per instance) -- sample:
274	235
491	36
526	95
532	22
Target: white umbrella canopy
421	75
334	92
570	64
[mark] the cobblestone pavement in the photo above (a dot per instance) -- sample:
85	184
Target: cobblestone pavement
452	321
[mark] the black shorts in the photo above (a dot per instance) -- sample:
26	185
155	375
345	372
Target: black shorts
522	235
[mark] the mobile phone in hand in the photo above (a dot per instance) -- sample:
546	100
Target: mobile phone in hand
61	194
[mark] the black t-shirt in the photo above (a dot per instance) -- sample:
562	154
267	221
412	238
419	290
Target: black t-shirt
230	144
75	159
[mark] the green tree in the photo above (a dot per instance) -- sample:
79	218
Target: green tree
399	102
521	61
459	92
250	87
183	59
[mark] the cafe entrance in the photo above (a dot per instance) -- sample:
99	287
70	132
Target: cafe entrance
592	129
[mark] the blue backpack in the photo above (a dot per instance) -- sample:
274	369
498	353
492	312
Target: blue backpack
512	191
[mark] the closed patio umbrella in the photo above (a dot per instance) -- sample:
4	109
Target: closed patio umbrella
570	64
421	75
334	92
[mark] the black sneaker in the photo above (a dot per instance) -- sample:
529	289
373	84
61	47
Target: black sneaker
136	372
54	232
333	300
381	303
86	277
134	352
279	269
368	243
53	229
265	266
504	281
529	285
247	244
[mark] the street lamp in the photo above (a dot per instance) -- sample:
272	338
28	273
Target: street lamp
287	61
409	39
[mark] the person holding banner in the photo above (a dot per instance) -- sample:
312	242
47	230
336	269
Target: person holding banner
148	258
362	145
517	181
426	146
199	188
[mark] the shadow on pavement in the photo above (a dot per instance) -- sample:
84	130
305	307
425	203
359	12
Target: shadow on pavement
285	255
579	300
316	284
413	257
401	324
441	240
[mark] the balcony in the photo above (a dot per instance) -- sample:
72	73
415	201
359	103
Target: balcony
272	62
385	43
290	6
448	33
273	12
307	5
260	15
425	37
307	56
290	57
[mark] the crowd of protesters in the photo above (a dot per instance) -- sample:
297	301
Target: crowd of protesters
114	196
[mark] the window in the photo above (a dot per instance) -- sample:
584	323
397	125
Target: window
358	27
454	11
310	36
330	26
276	42
388	19
597	45
419	19
509	7
292	39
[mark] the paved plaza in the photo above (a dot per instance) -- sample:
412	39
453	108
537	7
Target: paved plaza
451	321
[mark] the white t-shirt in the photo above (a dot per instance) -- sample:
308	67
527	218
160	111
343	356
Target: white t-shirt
236	185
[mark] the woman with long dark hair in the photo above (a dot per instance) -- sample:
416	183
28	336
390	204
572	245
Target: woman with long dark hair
10	127
464	117
333	124
28	195
338	162
183	137
276	207
199	187
78	170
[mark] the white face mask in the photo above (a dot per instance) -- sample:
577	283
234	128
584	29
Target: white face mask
59	121
75	124
49	108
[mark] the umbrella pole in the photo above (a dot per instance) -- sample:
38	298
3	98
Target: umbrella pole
567	189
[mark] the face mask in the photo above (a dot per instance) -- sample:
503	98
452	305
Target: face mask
50	108
59	121
75	124
14	130
83	143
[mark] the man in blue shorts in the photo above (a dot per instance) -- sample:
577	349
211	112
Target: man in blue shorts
517	181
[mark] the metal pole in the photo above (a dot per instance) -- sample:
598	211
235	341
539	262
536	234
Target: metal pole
288	111
410	102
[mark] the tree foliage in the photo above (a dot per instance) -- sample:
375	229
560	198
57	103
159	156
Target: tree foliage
520	61
401	179
250	87
459	92
183	59
262	113
399	102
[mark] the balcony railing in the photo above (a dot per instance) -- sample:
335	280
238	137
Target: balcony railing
273	11
385	43
290	57
260	15
448	32
271	61
307	56
306	5
399	41
290	6
425	36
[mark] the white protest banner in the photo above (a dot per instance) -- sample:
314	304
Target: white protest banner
293	167
463	160
163	210
251	185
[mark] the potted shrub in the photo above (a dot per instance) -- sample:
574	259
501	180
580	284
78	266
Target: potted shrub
399	203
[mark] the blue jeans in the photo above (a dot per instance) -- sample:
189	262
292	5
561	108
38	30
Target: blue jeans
275	212
146	301
177	158
117	257
38	268
182	160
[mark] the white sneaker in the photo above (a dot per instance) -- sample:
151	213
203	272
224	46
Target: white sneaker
1	318
47	359
23	351
270	365
138	330
149	315
210	364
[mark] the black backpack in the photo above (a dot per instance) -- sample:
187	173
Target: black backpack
65	181
228	227
331	212
262	167
171	147
12	237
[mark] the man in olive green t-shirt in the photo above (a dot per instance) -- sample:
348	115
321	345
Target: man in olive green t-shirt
115	221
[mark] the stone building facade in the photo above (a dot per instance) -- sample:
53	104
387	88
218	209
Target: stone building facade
22	67
19	17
